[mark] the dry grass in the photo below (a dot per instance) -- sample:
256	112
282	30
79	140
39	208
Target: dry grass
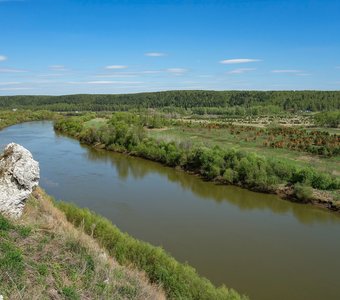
59	261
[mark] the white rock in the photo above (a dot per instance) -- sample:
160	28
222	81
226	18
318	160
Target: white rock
19	175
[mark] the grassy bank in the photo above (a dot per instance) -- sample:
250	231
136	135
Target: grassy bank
43	256
180	281
8	118
57	250
126	133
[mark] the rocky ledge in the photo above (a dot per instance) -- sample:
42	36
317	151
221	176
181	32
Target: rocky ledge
19	175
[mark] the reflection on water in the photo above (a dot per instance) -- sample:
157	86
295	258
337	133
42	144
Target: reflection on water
256	243
246	200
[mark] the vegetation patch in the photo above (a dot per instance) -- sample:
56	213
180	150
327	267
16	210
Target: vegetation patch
42	256
8	118
200	102
125	132
180	281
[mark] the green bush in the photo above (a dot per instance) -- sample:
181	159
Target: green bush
124	132
329	119
228	175
303	192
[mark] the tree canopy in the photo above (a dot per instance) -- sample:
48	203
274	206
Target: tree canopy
199	101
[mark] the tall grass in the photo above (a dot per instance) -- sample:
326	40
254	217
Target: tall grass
180	281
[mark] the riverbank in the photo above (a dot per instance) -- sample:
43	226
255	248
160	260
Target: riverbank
230	235
44	256
301	191
59	250
134	269
8	118
93	133
90	258
180	281
123	134
315	197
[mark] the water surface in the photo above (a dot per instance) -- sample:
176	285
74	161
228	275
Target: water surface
258	244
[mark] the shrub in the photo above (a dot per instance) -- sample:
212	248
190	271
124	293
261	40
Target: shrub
228	175
322	181
303	192
249	169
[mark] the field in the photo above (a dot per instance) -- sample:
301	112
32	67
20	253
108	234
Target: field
248	139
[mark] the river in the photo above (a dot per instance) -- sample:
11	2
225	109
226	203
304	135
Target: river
256	243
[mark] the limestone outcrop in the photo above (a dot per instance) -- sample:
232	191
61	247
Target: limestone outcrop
19	175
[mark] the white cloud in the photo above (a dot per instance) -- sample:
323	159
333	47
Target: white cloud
154	54
9	83
113	82
16	89
239	61
11	70
116	67
176	71
286	71
3	58
241	70
51	75
127	74
57	68
106	82
116	75
41	81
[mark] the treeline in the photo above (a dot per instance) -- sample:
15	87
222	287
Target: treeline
238	110
200	101
8	118
226	165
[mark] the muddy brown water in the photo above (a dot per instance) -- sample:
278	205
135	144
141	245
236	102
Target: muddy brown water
256	243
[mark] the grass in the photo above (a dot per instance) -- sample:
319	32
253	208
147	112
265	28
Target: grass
180	281
95	123
222	138
42	256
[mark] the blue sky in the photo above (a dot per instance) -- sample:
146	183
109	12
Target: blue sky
66	47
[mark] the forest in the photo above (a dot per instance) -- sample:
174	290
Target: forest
211	102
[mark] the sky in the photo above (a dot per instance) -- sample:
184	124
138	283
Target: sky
59	47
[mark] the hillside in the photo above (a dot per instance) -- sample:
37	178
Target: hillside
259	101
43	256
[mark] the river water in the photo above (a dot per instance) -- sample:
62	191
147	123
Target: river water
258	244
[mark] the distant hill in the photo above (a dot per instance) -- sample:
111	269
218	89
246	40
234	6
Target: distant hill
278	100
